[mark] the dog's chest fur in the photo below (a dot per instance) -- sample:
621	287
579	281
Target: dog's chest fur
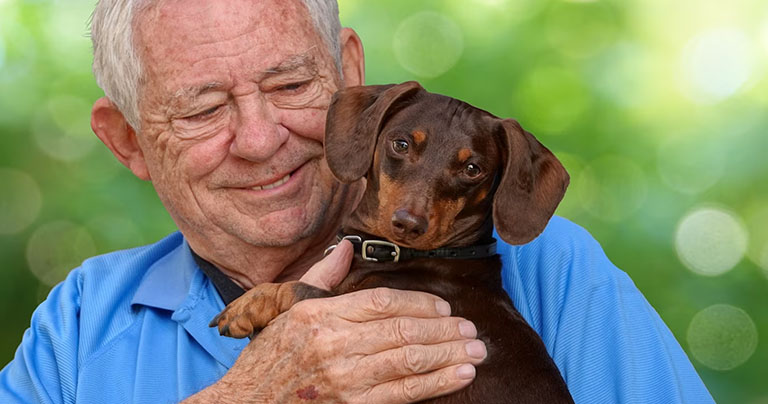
517	362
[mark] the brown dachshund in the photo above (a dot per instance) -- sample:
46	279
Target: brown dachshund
440	175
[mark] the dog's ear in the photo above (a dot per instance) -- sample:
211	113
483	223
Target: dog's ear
532	184
354	120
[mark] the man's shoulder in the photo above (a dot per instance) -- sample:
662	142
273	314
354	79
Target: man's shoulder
562	241
541	275
100	292
561	234
124	266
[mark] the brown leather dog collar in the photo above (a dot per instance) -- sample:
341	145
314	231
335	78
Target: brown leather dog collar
386	251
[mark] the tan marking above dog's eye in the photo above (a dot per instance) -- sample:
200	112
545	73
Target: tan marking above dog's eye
400	146
418	136
464	154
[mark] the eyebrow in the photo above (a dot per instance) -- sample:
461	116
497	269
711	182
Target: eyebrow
292	63
191	93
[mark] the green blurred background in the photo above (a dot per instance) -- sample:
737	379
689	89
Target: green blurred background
656	107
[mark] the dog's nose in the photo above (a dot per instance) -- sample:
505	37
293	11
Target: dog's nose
406	224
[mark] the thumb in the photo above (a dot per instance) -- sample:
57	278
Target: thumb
328	272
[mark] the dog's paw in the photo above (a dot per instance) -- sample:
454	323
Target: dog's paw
249	313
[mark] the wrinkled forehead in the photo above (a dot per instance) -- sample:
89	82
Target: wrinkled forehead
173	35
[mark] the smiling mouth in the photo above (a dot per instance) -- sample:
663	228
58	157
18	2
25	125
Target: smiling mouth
275	184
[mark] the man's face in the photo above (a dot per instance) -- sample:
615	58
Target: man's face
233	114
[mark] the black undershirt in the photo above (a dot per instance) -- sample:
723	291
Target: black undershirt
227	288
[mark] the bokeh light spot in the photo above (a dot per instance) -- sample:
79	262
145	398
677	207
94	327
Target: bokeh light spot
62	130
428	44
690	164
710	241
114	232
552	99
621	73
19	202
56	248
580	29
612	188
764	35
756	218
20	81
722	337
717	63
71	49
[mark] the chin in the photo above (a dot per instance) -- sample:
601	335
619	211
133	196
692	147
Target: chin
279	229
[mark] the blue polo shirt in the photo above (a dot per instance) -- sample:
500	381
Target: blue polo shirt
132	327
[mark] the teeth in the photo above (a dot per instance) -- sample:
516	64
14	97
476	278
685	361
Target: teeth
277	183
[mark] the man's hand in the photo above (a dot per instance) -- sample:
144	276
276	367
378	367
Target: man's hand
374	346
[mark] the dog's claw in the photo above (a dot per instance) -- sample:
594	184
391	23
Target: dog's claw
215	321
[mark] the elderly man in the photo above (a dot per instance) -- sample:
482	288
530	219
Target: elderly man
222	106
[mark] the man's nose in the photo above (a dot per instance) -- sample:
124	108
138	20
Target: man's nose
258	133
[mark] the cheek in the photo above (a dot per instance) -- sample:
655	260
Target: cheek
445	212
390	198
183	161
308	123
200	159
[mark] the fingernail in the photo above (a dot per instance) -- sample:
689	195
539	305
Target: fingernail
476	349
467	329
466	371
443	308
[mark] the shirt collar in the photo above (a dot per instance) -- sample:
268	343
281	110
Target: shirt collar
166	283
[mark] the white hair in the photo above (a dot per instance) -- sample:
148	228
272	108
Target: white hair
117	65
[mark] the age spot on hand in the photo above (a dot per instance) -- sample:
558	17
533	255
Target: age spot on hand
308	393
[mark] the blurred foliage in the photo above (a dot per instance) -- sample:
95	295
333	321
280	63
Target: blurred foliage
656	108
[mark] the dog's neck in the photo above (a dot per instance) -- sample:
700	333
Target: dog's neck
357	224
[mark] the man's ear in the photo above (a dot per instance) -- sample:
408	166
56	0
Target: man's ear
352	58
109	124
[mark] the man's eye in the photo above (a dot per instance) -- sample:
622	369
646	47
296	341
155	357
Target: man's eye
204	114
292	86
400	146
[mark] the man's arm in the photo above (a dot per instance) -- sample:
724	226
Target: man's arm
44	369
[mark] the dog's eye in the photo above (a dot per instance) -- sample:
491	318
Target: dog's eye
473	170
400	146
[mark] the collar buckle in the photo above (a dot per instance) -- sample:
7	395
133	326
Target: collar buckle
353	239
370	248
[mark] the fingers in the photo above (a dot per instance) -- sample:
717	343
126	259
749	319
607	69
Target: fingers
417	359
381	335
382	303
423	386
329	271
